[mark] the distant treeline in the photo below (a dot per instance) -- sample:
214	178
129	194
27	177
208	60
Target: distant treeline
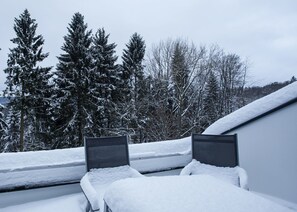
174	89
256	92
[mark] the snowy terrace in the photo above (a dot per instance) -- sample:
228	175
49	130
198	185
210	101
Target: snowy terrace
44	169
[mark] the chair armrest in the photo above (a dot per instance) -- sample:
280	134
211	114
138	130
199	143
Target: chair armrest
90	193
188	169
243	178
106	208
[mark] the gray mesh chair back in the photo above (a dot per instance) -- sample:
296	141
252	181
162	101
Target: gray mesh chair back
106	152
217	150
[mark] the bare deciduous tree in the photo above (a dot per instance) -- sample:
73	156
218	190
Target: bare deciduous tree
181	66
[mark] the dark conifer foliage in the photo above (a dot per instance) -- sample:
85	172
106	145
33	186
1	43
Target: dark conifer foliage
133	58
104	87
160	119
3	127
27	88
132	83
180	71
73	80
180	78
211	100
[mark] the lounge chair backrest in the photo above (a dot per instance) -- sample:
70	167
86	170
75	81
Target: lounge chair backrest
217	150
106	152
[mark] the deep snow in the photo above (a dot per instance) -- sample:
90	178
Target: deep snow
76	156
67	203
234	175
95	182
184	193
68	165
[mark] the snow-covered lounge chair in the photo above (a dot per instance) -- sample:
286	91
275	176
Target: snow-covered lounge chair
216	155
107	160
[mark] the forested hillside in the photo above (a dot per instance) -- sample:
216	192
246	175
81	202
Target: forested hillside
165	92
255	92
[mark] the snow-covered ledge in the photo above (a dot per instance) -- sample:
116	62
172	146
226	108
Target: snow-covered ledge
43	168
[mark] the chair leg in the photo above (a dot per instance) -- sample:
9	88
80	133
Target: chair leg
106	208
88	208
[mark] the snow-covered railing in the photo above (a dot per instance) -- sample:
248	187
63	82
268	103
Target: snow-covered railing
42	168
38	167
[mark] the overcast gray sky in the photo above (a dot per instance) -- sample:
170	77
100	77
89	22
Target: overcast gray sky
262	31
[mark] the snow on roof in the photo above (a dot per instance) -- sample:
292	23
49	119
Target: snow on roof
253	110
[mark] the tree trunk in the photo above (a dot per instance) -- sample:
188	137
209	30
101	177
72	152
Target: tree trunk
22	123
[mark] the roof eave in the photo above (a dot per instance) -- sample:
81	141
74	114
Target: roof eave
292	101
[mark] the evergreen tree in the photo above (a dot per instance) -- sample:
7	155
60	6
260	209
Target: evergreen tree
3	127
11	135
160	120
73	80
27	86
105	86
133	80
180	78
211	101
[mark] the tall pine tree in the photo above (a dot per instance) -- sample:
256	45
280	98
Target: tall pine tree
105	87
3	128
133	79
73	80
27	87
211	100
180	79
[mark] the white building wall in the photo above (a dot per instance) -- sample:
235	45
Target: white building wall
268	152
